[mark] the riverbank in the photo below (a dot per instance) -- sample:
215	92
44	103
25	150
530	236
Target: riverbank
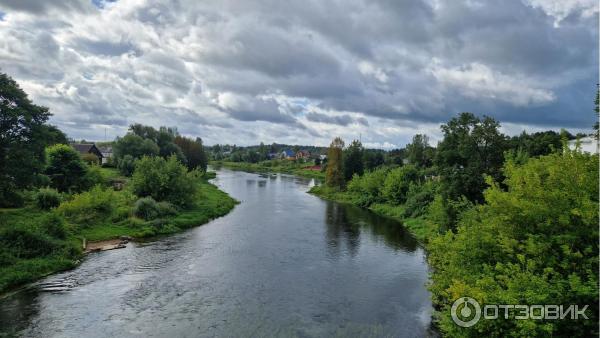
420	227
273	166
35	243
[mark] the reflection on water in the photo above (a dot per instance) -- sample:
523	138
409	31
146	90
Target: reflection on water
284	263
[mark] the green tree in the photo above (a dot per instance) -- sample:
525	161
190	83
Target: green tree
66	170
373	159
353	160
334	176
397	183
471	148
135	146
165	180
535	241
419	152
193	151
23	137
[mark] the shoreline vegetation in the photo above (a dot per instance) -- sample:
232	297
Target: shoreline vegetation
44	251
58	194
273	166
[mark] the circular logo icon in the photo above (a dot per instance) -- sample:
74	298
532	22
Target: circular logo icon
465	311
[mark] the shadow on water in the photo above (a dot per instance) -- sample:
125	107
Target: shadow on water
346	222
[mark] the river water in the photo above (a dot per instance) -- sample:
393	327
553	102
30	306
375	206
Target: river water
283	263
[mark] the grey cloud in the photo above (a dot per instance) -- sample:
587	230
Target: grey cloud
39	7
342	120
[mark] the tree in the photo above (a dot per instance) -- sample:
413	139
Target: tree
536	144
65	168
353	160
334	176
373	159
535	241
23	137
135	146
165	180
419	152
193	151
397	183
471	148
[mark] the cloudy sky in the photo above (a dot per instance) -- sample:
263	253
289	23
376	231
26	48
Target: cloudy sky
302	72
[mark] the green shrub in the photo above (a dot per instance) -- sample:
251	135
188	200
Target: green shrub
90	206
397	183
126	165
47	198
368	187
23	242
148	209
53	225
65	168
165	180
418	198
11	199
93	177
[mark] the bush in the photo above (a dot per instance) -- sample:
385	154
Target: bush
418	198
368	187
54	226
90	206
126	165
11	199
47	198
65	168
148	209
90	159
93	177
26	243
397	183
534	241
165	180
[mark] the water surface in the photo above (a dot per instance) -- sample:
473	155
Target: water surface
282	263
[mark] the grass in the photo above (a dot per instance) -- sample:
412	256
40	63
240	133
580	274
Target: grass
420	227
19	266
274	166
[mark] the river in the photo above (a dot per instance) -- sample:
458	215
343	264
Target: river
283	263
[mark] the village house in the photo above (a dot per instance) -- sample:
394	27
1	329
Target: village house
302	155
88	148
106	154
287	154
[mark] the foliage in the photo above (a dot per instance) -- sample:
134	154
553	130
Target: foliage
54	225
419	153
334	176
65	168
47	198
148	209
397	183
165	180
471	148
134	146
23	137
94	176
92	206
353	160
536	144
373	159
126	165
90	158
534	243
418	198
193	151
368	187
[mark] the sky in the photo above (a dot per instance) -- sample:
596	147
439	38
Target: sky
303	72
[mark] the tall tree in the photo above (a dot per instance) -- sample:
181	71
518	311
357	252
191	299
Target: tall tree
23	137
471	148
194	152
419	153
334	174
353	160
65	168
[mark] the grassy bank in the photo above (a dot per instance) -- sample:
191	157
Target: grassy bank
274	166
35	243
420	227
